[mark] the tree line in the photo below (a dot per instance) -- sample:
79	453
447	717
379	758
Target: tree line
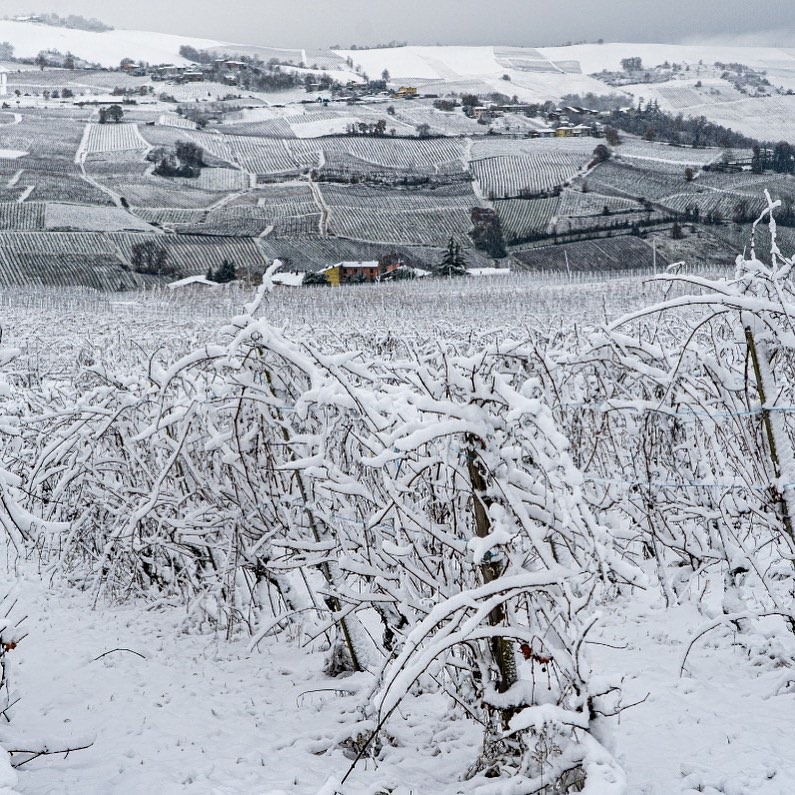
654	124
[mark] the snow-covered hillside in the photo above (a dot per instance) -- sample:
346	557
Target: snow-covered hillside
595	57
531	75
537	75
456	63
106	48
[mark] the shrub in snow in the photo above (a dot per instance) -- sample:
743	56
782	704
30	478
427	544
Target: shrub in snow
704	409
284	489
481	524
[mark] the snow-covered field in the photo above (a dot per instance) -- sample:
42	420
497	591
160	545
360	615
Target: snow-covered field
596	57
198	713
475	69
106	48
91	219
183	681
551	72
533	75
470	536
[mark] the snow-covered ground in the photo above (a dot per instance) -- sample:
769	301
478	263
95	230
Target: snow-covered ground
551	72
170	711
596	57
106	48
476	69
451	62
533	75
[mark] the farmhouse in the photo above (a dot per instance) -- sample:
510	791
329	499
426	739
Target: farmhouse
406	92
191	282
348	272
569	131
166	71
288	279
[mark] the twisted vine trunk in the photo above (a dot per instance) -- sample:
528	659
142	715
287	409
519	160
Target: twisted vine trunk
501	648
775	433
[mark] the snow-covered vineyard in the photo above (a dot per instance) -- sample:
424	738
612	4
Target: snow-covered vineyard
404	539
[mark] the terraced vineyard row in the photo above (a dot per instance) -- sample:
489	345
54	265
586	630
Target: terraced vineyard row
594	223
269	128
100	219
306	153
341	164
747	182
511	176
426	227
59	188
576	203
423	154
262	156
33	166
46	139
175	120
96	270
113	138
225	180
169	216
196	257
613	254
523	218
380	156
251	221
496	146
27	216
680	155
456	196
217	145
724	204
79	243
425	217
626	180
159	192
100	166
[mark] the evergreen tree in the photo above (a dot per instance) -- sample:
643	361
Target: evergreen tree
225	272
453	263
783	158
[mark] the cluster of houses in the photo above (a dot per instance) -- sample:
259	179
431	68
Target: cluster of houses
555	123
353	272
230	72
346	272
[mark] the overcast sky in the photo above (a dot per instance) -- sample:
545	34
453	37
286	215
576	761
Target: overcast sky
321	23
